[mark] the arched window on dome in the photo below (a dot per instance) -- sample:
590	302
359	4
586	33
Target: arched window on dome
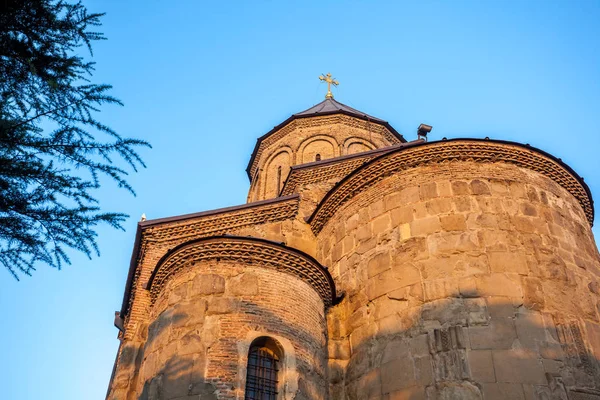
278	180
262	373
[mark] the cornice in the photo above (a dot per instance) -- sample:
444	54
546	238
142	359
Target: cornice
260	253
332	168
207	223
473	150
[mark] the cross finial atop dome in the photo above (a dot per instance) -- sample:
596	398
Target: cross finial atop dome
327	78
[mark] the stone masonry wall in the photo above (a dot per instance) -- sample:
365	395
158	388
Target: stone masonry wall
463	280
285	227
201	317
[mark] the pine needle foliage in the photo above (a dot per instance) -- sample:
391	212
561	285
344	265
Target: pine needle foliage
54	153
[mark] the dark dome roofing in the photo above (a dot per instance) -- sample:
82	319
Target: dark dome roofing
326	107
331	106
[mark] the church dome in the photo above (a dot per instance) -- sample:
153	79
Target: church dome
326	130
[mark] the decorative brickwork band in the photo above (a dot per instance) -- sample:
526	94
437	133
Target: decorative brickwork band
205	224
471	150
244	250
336	168
303	123
220	223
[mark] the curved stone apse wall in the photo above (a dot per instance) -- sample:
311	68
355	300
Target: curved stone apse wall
462	279
204	319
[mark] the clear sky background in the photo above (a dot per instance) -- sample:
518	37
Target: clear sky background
201	81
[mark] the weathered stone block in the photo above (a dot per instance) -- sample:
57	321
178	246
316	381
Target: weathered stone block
191	343
376	208
244	285
517	366
221	305
361	335
406	274
378	263
501	307
404	230
467	287
452	243
498	284
530	329
503	391
501	261
397	374
440	289
479	187
500	334
481	365
425	226
552	366
385	305
428	190
438	206
402	215
410	194
477	312
178	293
369	385
423	370
453	222
551	350
381	284
381	224
392	200
445	311
395	350
208	284
463	204
460	188
419	345
533	295
358	318
363	232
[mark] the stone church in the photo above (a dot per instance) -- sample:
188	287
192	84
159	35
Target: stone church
366	266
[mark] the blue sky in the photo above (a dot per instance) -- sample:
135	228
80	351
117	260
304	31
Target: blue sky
202	80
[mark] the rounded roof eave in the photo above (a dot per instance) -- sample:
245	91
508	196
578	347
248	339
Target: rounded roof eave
317	219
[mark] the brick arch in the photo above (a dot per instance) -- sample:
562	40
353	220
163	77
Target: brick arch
473	150
258	252
300	154
356	141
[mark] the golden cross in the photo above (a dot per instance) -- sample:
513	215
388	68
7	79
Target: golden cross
327	78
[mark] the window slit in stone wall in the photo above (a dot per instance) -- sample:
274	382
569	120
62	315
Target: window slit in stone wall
278	180
318	157
262	371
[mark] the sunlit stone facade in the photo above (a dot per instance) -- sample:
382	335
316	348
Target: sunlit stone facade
369	267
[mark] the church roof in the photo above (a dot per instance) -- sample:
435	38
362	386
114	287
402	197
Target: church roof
328	106
331	106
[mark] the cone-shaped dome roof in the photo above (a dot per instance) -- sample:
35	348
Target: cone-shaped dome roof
331	106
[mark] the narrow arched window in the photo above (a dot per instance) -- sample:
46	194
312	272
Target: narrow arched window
318	157
262	376
278	180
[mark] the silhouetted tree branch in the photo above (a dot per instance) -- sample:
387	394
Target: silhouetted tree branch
53	151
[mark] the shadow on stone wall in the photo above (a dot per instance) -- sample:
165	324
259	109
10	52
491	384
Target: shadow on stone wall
452	348
170	359
465	348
